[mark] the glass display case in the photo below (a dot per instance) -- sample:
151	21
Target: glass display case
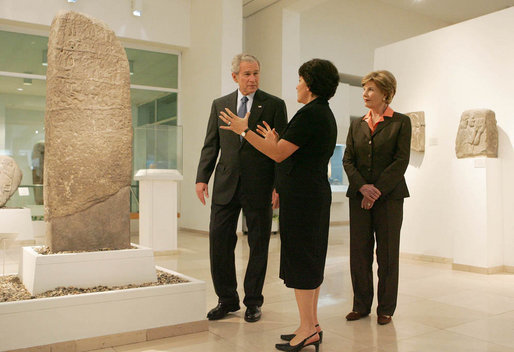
158	147
155	147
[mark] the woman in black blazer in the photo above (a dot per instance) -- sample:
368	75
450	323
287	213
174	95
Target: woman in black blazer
303	152
375	160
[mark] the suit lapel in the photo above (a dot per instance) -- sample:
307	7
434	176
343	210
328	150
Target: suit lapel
382	125
231	103
256	111
365	128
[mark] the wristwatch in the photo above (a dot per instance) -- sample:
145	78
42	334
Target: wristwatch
243	134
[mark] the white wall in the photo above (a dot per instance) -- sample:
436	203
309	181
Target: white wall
216	36
459	208
163	21
346	32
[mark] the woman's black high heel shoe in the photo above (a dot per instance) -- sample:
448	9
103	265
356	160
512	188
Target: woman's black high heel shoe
300	346
289	337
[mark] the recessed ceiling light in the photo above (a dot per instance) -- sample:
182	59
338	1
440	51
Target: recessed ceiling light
72	1
20	89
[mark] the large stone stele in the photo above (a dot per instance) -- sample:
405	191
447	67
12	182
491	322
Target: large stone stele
418	130
10	178
477	134
88	140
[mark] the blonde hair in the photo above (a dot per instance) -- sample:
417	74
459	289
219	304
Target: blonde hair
385	81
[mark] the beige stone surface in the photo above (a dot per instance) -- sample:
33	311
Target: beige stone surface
10	178
418	130
477	134
88	139
38	162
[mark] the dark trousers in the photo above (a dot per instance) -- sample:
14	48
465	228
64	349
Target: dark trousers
380	224
222	242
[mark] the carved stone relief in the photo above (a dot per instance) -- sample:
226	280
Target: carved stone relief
88	140
38	162
418	130
10	178
477	134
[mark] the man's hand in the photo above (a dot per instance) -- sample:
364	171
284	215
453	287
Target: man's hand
370	191
202	190
367	203
275	202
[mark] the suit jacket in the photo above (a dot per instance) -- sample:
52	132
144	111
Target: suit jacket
239	161
380	158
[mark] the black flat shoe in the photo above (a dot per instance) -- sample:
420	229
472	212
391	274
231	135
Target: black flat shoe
221	310
253	314
299	347
289	337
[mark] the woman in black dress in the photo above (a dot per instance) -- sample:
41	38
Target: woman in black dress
303	152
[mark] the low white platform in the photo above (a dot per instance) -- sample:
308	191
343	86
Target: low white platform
17	220
40	273
51	320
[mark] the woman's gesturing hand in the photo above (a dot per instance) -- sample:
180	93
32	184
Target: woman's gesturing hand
267	132
234	123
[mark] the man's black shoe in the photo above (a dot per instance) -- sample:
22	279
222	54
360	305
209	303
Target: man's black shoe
221	310
253	314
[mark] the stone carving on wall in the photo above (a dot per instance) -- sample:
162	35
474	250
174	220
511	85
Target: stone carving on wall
10	178
477	134
38	162
88	140
418	130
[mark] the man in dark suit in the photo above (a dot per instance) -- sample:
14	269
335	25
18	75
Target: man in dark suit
244	179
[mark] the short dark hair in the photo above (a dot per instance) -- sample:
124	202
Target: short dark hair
321	76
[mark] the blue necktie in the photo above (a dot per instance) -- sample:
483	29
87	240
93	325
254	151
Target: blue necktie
241	112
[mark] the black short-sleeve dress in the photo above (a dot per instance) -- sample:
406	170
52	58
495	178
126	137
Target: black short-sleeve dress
305	195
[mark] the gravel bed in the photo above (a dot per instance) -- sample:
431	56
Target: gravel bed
12	289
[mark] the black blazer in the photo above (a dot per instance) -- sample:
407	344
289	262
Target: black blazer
239	160
314	130
380	158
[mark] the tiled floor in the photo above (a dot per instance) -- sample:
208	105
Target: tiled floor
438	309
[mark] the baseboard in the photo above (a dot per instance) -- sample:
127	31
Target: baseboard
426	258
339	223
202	232
508	269
107	341
478	269
460	267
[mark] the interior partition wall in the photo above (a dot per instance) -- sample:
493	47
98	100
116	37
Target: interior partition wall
155	100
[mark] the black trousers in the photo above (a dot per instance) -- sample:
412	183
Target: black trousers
222	242
381	224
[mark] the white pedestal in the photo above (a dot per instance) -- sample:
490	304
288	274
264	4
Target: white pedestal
17	220
158	208
40	273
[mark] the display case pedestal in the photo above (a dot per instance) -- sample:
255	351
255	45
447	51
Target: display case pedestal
17	220
158	209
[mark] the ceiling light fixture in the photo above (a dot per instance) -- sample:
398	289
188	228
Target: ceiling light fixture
137	7
73	1
44	61
19	89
